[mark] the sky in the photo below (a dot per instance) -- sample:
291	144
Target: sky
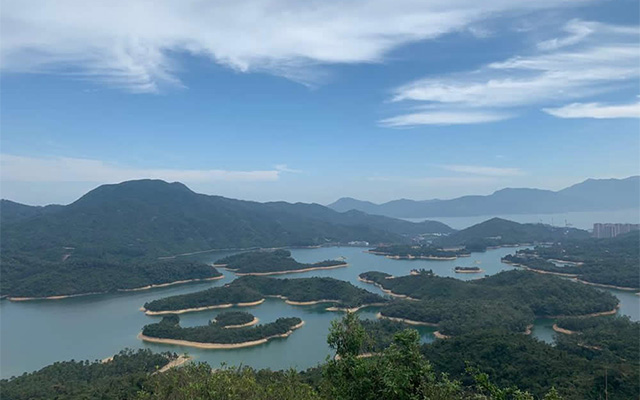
315	100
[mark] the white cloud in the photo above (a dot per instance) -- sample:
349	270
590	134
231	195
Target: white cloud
132	44
595	110
443	118
285	168
63	169
595	58
483	170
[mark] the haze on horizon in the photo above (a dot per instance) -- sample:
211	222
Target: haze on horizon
375	101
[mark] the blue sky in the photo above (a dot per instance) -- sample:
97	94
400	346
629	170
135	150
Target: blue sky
312	101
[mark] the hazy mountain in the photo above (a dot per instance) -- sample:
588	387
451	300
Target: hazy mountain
156	217
498	231
590	195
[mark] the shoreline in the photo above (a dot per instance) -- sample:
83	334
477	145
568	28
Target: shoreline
596	314
250	323
475	271
196	309
406	321
626	289
439	335
354	309
292	271
159	285
219	346
387	291
556	328
152	286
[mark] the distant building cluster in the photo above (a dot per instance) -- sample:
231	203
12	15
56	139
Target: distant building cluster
613	230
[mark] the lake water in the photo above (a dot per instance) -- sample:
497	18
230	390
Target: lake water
34	334
581	220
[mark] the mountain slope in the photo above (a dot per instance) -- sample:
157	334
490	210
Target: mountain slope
148	216
10	211
590	195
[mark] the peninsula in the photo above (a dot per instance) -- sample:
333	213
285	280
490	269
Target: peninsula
509	301
252	290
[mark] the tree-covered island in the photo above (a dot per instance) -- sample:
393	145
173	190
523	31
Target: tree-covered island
215	335
272	263
251	290
418	252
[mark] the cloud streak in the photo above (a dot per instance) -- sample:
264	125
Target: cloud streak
595	110
63	169
592	59
134	45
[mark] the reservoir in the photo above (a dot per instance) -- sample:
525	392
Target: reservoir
37	333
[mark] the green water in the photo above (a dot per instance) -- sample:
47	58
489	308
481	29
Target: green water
34	334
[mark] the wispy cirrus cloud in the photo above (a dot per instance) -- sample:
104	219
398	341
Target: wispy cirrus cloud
15	168
453	117
589	60
483	170
133	45
596	110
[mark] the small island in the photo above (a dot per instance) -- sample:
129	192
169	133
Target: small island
510	300
215	336
468	270
234	319
271	263
418	252
252	290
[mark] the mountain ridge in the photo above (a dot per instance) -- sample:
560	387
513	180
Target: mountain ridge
589	195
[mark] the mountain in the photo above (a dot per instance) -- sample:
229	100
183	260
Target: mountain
590	195
498	232
160	218
11	211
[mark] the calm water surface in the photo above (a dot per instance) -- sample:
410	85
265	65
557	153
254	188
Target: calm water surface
34	334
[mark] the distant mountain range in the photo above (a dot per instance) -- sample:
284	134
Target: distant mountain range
590	195
160	218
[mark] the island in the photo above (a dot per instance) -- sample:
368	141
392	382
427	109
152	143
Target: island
418	252
271	263
252	290
610	263
468	270
234	319
216	336
510	300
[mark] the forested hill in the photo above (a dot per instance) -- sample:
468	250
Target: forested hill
156	217
10	211
498	232
590	195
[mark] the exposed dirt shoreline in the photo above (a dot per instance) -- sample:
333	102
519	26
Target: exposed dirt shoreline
292	271
219	346
152	286
556	328
250	323
196	309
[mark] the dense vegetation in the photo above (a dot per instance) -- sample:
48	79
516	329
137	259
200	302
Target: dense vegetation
24	276
482	365
120	378
253	288
501	232
269	261
517	360
169	328
417	252
602	261
233	318
509	300
611	338
135	222
216	296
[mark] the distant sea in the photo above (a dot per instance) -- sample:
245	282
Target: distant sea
582	220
